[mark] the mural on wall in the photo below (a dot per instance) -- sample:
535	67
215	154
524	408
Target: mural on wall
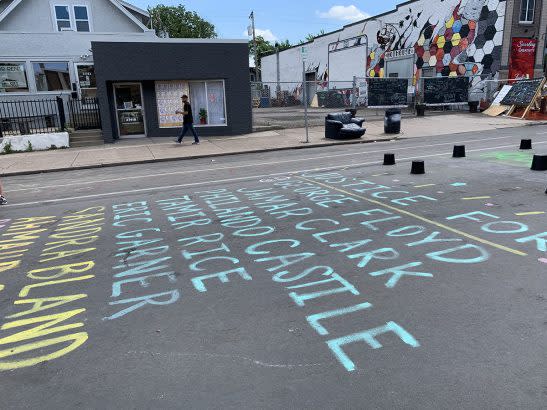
468	41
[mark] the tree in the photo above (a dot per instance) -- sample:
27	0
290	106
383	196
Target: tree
264	47
310	37
177	22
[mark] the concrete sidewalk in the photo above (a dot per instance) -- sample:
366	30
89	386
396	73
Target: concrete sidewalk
143	150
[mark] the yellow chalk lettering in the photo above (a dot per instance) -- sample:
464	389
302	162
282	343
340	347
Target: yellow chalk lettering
44	219
42	304
44	329
76	234
68	226
77	340
70	242
64	254
1	287
80	217
25	291
6	246
63	270
12	254
22	236
5	266
92	209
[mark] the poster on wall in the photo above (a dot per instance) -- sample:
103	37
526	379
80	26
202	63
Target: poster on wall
12	77
168	95
522	58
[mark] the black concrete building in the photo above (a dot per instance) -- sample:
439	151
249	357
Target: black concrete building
139	85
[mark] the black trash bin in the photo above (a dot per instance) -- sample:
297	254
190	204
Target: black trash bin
392	121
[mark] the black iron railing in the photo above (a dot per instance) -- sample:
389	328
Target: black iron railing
84	114
21	117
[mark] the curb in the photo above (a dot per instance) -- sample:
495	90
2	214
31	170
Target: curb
149	161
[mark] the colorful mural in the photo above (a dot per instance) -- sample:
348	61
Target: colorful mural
468	41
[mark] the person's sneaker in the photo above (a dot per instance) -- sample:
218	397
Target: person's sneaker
195	143
3	201
177	141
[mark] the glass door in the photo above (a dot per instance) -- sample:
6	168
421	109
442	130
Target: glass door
129	110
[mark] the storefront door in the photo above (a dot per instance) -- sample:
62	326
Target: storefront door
129	110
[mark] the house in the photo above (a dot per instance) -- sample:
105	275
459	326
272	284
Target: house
46	45
103	51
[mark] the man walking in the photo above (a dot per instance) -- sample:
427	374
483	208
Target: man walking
187	121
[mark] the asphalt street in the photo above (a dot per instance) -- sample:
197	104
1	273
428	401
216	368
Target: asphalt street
305	279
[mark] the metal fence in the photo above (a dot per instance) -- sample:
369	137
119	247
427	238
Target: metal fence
282	104
84	114
30	116
23	117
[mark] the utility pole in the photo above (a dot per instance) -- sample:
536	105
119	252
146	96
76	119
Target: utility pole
252	17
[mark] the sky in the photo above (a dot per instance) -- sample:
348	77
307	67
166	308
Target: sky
279	20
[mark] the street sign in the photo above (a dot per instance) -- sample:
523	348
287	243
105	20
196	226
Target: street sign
304	53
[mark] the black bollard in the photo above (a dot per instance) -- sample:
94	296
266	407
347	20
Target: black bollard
418	168
459	151
525	144
539	163
389	159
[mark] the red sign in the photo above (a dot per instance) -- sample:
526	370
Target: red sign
522	59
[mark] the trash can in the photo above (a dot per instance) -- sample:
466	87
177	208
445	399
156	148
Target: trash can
392	121
420	110
473	106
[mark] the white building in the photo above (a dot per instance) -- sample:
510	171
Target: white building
45	46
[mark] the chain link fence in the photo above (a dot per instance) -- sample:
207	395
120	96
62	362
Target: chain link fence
281	104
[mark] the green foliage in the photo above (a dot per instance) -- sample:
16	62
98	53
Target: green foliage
203	114
177	22
8	149
29	147
264	47
310	37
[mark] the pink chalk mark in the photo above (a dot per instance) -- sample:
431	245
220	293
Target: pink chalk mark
543	260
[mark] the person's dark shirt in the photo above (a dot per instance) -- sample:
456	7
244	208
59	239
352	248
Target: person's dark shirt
187	118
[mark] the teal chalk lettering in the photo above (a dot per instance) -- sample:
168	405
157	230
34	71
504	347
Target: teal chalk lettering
130	245
369	337
300	299
320	235
222	276
438	256
520	227
252	249
374	188
139	302
139	253
541	242
189	255
402	201
292	212
303	226
197	222
432	239
193	240
371	226
369	212
194	266
255	231
379	195
399	271
349	246
139	268
282	277
382	254
471	216
135	234
313	320
407	231
285	260
142	280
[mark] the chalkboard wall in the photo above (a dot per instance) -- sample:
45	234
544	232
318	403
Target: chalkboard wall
386	92
521	93
446	90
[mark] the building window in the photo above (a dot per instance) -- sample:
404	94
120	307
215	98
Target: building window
70	18
206	97
208	102
52	76
81	17
527	11
86	80
62	17
13	78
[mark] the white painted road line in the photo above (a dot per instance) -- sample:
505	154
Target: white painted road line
245	178
102	181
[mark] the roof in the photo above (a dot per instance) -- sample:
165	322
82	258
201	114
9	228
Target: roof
119	4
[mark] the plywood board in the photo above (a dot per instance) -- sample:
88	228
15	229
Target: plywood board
496	110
